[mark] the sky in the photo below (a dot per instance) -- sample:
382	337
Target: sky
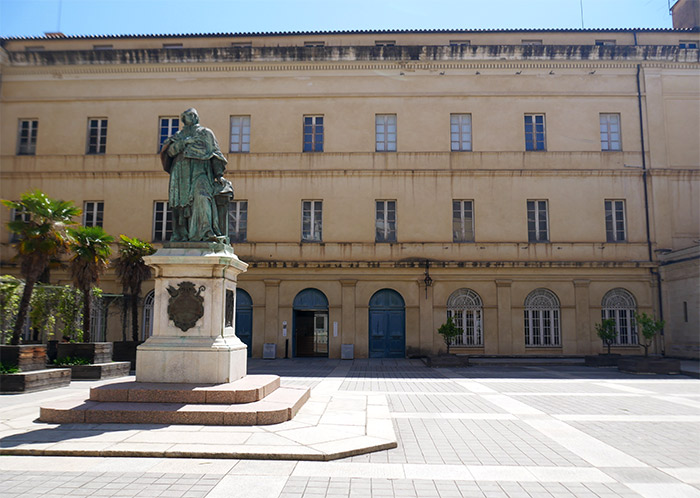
19	18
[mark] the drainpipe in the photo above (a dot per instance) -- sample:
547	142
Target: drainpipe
654	273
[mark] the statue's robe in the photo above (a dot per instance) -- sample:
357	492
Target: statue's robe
193	168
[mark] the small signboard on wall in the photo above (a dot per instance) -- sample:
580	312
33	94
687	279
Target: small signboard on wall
269	351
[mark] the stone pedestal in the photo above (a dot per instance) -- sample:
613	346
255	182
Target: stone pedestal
194	338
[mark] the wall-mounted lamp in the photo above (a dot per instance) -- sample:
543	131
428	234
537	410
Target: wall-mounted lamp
428	281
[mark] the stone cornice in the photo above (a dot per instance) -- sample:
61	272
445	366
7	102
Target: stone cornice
409	58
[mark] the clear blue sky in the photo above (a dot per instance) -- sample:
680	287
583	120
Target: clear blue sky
110	17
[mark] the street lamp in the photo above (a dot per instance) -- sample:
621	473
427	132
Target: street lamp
428	281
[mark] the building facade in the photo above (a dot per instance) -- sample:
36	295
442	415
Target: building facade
524	183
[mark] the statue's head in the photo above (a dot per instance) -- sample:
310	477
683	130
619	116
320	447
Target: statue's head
190	116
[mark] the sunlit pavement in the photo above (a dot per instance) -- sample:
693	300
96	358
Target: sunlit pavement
481	431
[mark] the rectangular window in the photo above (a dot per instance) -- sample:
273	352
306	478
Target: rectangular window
531	42
461	131
535	138
313	133
605	42
311	221
240	134
312	44
610	132
169	126
460	43
238	221
162	221
103	47
93	212
172	45
615	230
386	132
689	44
685	311
537	224
97	136
26	137
16	215
462	221
385	43
386	221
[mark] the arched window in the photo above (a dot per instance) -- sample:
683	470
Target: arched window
542	319
465	308
620	305
147	329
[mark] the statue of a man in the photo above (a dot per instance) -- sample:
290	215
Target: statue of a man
196	166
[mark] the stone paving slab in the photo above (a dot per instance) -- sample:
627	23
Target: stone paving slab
485	432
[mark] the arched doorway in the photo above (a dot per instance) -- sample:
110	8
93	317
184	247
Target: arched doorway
244	318
310	326
387	325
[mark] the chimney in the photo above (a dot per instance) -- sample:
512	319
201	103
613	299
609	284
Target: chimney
686	14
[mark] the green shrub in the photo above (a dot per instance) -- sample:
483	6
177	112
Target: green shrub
70	361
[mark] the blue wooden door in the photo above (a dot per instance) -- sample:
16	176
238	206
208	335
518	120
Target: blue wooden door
387	325
244	319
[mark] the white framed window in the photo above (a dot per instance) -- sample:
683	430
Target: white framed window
461	132
689	44
462	221
162	221
615	226
238	221
26	137
17	215
93	212
608	43
313	133
537	221
465	308
542	319
167	127
385	221
610	132
385	43
240	134
311	221
385	126
97	136
535	132
620	305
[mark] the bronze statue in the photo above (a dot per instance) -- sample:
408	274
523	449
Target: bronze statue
196	166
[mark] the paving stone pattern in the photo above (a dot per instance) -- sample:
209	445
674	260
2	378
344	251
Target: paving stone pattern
481	431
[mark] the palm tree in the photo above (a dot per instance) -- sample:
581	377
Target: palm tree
91	253
42	237
132	271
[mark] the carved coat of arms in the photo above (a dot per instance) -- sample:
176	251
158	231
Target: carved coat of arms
186	305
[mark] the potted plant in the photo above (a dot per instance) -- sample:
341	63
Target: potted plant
608	334
448	331
648	327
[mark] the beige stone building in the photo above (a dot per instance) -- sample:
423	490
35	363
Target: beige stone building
525	183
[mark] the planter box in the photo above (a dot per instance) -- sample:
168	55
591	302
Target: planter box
446	361
602	360
646	365
27	357
126	351
100	370
94	352
38	380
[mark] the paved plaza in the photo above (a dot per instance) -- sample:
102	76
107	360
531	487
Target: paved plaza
481	431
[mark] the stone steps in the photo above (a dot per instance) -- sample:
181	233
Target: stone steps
252	400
